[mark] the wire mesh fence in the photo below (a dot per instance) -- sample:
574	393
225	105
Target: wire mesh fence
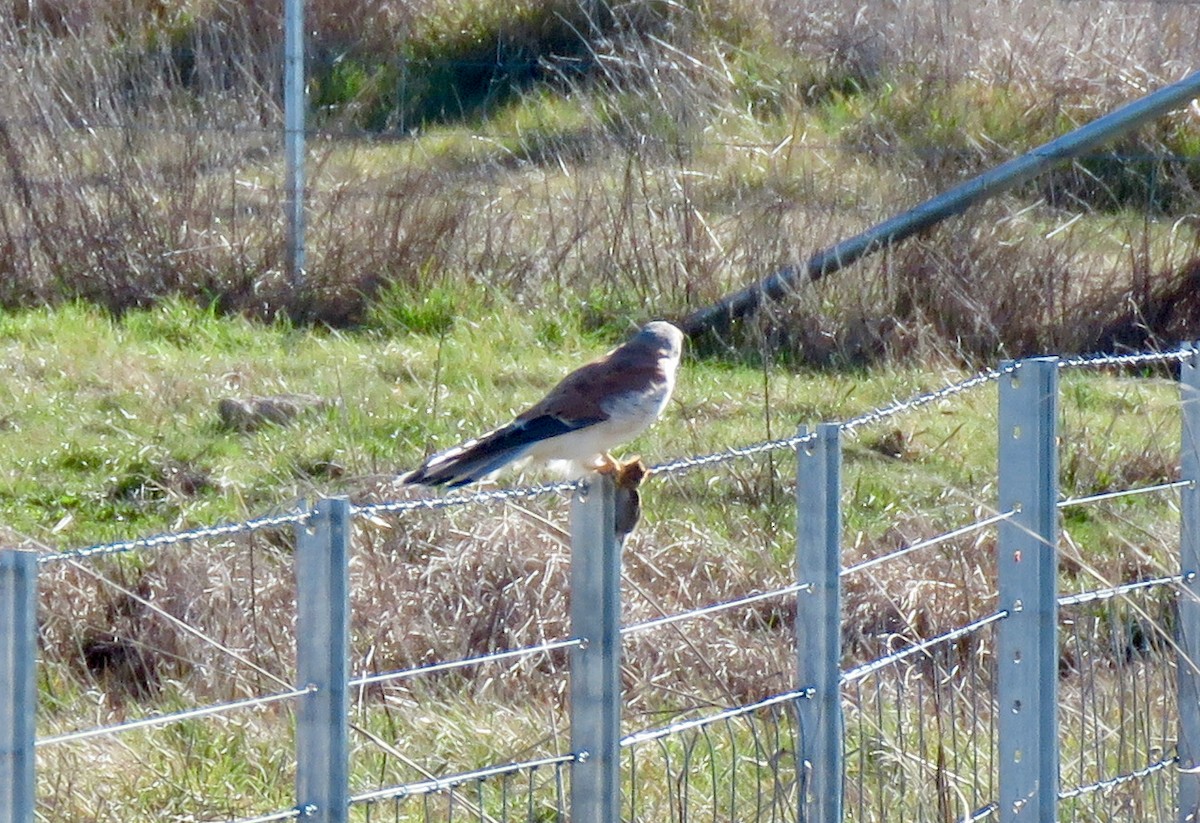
174	671
921	733
479	725
530	790
169	663
1118	716
739	764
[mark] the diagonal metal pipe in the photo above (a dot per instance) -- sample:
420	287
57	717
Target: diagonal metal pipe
1007	175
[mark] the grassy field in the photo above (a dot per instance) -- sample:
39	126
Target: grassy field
653	154
114	432
498	193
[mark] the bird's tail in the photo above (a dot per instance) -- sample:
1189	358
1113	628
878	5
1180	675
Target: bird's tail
473	460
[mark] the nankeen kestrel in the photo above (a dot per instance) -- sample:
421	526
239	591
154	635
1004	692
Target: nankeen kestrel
593	409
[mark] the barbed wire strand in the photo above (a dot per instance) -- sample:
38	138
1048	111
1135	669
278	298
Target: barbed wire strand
1125	360
441	784
649	735
449	501
978	525
173	538
1113	782
1099	595
174	717
434	668
982	813
683	464
859	672
1113	495
675	466
715	608
270	817
900	406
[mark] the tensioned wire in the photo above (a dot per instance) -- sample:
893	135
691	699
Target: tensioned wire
441	784
676	466
300	516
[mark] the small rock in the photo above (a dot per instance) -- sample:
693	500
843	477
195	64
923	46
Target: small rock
247	414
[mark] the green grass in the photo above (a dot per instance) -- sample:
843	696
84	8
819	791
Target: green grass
113	430
499	193
660	154
108	418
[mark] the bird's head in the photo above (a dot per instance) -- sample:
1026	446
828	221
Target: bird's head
660	337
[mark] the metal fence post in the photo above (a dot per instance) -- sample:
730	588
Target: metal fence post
819	623
18	688
596	665
322	662
1027	658
295	105
1188	746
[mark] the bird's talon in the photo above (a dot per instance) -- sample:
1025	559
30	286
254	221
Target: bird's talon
609	465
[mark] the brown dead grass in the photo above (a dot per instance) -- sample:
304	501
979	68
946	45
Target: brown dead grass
697	161
434	587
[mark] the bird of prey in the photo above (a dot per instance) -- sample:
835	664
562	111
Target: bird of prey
594	408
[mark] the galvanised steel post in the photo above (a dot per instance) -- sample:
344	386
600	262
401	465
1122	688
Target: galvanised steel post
295	105
322	662
1188	747
1028	567
18	689
596	664
819	623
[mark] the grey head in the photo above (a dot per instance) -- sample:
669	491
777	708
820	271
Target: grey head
659	336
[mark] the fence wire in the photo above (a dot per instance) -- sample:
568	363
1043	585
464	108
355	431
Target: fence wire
674	466
1118	718
920	719
527	790
928	542
739	764
175	717
1119	493
284	814
450	665
920	730
166	539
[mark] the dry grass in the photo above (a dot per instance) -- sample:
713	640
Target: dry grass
695	153
139	161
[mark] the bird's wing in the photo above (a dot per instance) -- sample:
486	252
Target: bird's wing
584	398
563	410
478	458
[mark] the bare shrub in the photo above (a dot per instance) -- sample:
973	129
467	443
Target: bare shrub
680	158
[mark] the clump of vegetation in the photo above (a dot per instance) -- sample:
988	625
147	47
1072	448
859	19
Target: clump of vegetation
609	155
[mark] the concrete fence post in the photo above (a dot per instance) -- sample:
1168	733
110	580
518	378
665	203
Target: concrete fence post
322	662
595	665
18	686
1027	655
1188	747
819	624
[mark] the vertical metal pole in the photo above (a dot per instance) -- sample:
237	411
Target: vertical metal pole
1028	568
295	105
596	666
322	628
819	623
18	690
1188	747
